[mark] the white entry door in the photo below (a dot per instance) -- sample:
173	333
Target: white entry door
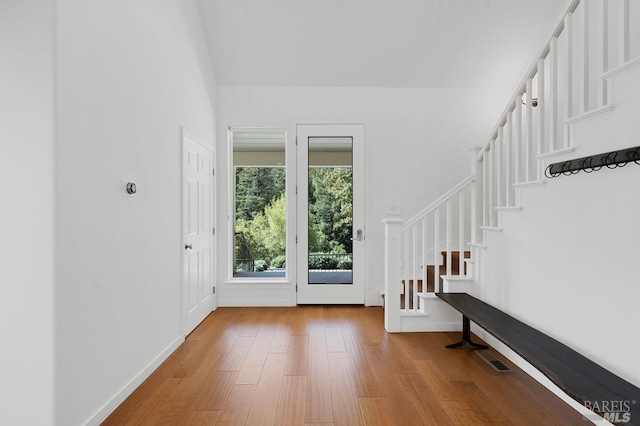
198	298
330	211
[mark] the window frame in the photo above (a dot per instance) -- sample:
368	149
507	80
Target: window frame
289	192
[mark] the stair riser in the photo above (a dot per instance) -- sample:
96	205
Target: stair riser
455	270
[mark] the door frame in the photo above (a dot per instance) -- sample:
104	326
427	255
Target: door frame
184	309
330	293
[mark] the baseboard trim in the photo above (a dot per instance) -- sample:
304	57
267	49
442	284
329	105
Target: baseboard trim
128	389
240	303
416	324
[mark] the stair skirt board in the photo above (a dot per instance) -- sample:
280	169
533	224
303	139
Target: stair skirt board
440	317
509	208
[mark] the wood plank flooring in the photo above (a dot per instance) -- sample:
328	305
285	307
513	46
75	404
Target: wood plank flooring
331	365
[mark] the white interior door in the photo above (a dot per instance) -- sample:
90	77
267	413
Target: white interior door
330	161
198	298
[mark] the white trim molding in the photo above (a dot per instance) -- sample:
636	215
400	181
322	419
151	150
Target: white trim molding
128	389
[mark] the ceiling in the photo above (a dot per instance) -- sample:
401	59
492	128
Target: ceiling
375	43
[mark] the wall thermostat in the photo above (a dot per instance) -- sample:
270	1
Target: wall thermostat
130	188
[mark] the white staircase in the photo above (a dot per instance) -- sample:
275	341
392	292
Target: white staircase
569	81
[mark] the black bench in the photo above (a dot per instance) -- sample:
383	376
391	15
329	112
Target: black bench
582	379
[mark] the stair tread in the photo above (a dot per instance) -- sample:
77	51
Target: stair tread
467	253
442	272
458	277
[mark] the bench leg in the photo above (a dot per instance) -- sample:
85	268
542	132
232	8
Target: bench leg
466	336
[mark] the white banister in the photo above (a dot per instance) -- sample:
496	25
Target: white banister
528	137
518	142
568	29
436	245
474	215
415	267
392	280
623	32
448	242
405	278
474	198
567	84
531	71
432	206
541	111
461	234
490	166
424	253
411	250
553	93
603	51
485	168
499	166
507	153
584	50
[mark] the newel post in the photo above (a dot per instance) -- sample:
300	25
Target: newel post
392	280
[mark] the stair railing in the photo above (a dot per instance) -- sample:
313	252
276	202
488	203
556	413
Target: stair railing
424	243
565	84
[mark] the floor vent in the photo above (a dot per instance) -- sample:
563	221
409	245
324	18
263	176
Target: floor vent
494	362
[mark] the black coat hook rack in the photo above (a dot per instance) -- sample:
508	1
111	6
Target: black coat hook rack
593	163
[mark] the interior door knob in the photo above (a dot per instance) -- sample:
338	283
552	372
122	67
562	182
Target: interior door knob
188	246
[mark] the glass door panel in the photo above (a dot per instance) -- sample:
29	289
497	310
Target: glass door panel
330	210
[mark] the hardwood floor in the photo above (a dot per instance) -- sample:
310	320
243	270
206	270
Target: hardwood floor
331	365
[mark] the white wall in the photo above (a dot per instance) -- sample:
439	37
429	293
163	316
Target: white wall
416	143
130	74
26	212
568	263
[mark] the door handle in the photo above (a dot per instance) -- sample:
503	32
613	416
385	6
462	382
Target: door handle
188	246
359	236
